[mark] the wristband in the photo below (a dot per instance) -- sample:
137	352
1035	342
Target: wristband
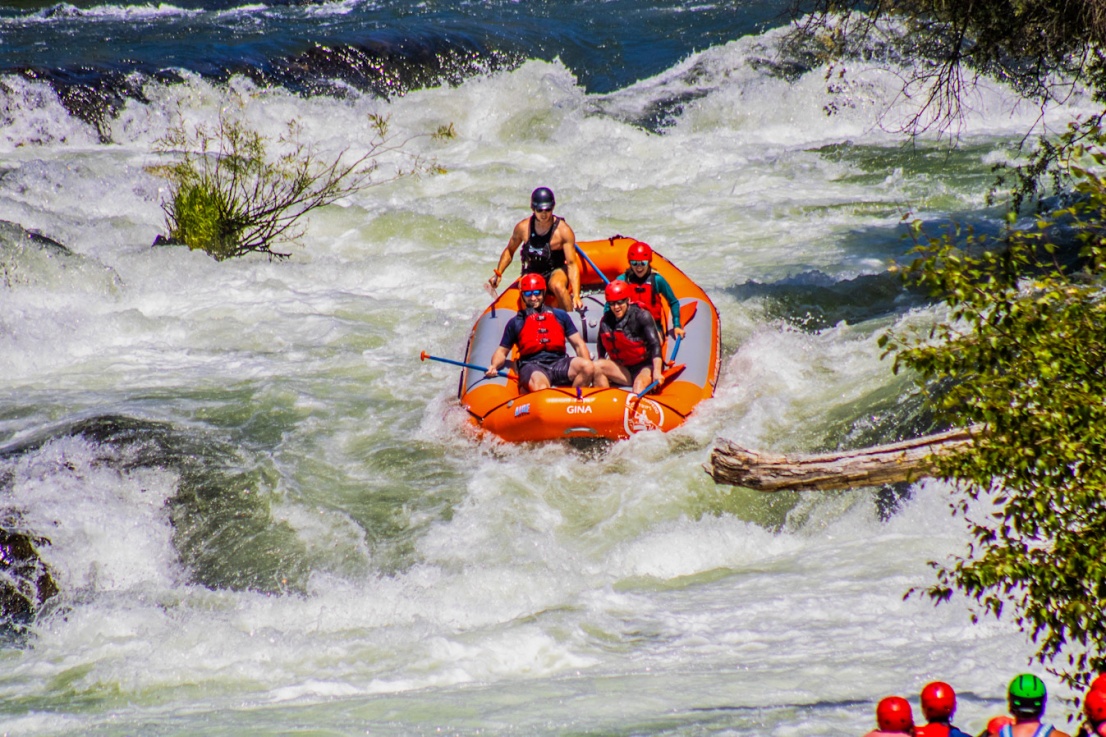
498	272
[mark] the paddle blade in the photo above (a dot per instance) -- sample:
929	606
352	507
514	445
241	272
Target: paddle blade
687	312
671	372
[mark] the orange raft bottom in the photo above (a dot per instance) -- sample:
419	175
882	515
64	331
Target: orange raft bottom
556	413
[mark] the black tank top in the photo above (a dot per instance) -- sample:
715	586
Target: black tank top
537	256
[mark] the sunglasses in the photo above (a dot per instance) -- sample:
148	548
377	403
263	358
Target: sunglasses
620	303
542	209
533	293
639	263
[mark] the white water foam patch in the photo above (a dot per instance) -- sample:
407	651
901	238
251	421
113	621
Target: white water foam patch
64	12
785	379
327	126
687	547
109	529
95	203
931	642
737	91
33	116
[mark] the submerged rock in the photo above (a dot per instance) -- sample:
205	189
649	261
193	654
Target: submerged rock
814	301
26	582
223	529
30	259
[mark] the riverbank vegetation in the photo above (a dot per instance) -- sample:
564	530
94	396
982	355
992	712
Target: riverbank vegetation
1022	346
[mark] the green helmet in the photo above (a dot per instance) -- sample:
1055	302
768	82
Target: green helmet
1026	695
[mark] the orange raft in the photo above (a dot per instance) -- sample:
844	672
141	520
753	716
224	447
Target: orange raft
691	364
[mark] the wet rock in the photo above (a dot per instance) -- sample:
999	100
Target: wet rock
26	582
28	258
223	528
92	95
384	67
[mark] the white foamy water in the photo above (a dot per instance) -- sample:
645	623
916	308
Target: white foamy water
429	582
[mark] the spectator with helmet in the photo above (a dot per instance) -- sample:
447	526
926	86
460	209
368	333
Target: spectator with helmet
541	334
995	725
649	287
628	347
1094	708
1026	698
548	248
938	705
893	716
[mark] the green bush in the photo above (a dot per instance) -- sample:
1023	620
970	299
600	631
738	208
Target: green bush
230	195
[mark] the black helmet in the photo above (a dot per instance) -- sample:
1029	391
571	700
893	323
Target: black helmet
542	199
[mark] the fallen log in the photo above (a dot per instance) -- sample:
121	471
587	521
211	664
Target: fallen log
908	460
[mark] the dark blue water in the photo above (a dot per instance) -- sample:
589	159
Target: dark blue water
388	46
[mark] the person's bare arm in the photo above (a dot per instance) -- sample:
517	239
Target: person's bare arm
579	346
517	237
658	369
498	359
572	263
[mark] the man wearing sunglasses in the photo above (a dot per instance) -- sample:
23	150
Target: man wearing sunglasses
628	348
548	248
541	334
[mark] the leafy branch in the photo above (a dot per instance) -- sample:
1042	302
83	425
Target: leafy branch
1023	351
229	195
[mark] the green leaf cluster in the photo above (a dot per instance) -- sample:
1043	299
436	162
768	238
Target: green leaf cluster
1022	350
233	191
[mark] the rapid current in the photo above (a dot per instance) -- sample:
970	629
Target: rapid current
264	515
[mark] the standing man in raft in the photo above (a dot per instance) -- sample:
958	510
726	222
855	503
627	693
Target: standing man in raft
548	248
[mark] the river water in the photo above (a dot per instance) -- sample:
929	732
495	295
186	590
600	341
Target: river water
267	517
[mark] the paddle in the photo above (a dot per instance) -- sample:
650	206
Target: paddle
491	290
665	376
592	264
687	312
483	369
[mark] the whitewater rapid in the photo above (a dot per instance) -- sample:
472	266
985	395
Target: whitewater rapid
301	534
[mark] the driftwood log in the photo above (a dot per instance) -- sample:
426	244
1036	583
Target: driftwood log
908	460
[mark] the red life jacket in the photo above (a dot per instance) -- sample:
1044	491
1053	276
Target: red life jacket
541	331
645	294
622	347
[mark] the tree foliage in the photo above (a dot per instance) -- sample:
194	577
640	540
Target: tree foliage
1046	50
232	191
1023	350
1022	346
949	42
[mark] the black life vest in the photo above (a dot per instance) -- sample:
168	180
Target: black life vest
541	331
645	294
537	255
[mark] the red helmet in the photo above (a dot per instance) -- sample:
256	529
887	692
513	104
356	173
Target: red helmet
997	723
531	282
938	701
639	252
617	290
1094	706
893	714
1099	683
